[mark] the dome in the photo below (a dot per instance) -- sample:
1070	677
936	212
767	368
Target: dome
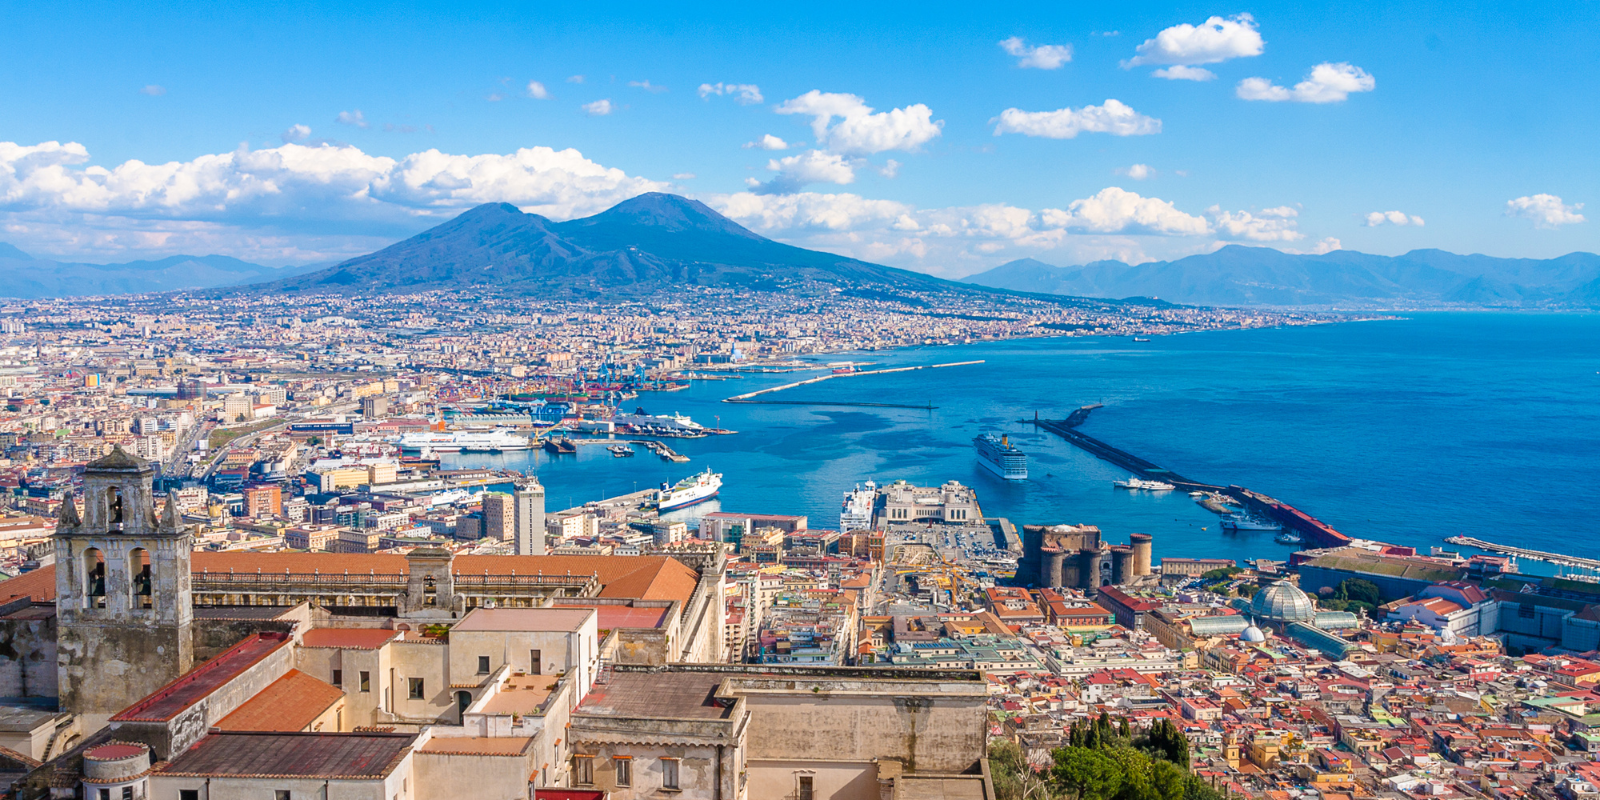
1253	634
1282	602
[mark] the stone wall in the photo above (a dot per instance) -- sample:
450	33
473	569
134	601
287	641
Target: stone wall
27	650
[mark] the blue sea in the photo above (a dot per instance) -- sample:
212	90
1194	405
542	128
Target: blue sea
1406	431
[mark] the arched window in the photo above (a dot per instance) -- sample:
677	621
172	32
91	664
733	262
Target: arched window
94	578
114	507
141	592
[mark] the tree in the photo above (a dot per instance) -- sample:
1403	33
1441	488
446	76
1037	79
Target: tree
1087	772
1360	590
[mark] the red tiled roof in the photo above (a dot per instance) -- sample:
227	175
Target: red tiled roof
290	703
194	685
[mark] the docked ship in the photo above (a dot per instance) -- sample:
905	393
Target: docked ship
1289	537
675	426
1248	522
856	513
620	450
495	441
1137	483
997	454
689	491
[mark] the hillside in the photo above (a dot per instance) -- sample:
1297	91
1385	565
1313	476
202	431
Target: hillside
31	278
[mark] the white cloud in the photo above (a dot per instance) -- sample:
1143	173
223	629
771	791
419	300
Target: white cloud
812	166
575	79
296	133
1115	210
598	108
859	131
744	94
1268	225
1113	117
1180	72
1546	210
1327	244
355	118
1044	56
683	176
1328	83
1377	218
768	142
647	86
1137	172
1211	42
890	169
495	97
791	213
295	182
153	90
537	91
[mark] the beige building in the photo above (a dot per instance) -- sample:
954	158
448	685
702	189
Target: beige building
499	517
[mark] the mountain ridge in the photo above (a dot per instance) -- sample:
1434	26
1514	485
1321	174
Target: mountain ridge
30	278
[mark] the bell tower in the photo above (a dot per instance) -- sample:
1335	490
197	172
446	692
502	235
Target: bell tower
123	607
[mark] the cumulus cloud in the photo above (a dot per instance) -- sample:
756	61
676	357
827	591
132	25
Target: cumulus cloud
1546	210
575	79
1115	210
1180	72
598	108
1211	42
153	90
860	131
890	169
355	118
768	142
812	166
296	133
647	86
1377	218
1137	172
683	176
537	91
745	94
295	182
1044	56
1328	83
1112	117
1268	225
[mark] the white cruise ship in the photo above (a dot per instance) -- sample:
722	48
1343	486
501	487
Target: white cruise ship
856	513
495	441
670	425
689	491
996	453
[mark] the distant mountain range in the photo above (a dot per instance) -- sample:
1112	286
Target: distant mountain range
638	247
25	277
1260	276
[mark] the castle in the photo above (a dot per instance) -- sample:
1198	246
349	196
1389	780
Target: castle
1075	557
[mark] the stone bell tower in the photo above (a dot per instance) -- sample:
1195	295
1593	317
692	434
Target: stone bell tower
123	605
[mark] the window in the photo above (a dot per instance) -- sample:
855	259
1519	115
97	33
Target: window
583	770
366	680
105	794
624	770
805	788
669	773
483	665
416	688
338	678
127	793
281	794
535	667
188	794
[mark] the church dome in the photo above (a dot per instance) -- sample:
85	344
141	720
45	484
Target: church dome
1282	602
1253	634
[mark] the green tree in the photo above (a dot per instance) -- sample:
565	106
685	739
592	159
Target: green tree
1087	773
1360	590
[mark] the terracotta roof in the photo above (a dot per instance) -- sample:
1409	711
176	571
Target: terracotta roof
293	755
290	703
349	638
198	683
39	584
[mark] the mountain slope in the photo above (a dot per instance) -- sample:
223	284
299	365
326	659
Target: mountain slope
27	277
1259	276
650	243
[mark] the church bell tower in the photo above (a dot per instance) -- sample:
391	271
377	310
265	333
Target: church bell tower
123	605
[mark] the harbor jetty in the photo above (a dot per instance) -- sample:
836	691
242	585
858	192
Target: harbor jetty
1523	552
751	397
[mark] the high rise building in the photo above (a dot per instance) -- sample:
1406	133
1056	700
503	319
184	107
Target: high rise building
498	517
530	518
263	501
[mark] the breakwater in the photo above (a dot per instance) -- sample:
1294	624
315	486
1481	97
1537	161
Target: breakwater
751	397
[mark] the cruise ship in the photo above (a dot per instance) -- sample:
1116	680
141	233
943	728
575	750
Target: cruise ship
495	441
689	491
996	453
669	425
856	514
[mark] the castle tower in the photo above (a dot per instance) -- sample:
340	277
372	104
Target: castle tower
123	605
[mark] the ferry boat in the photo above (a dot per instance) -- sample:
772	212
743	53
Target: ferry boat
689	491
856	513
1247	522
997	454
1136	483
496	441
673	425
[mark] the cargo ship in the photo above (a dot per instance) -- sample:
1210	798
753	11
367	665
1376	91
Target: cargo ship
496	441
689	491
997	454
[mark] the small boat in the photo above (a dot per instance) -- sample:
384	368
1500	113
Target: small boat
1137	483
1140	339
620	450
1247	522
1290	537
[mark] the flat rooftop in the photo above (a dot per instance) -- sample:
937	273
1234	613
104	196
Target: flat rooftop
348	638
478	746
658	695
619	616
521	694
524	619
293	755
170	700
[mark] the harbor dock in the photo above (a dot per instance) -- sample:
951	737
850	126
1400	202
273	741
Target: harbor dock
1523	552
749	397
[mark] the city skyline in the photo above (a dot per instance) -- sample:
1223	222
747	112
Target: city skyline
940	146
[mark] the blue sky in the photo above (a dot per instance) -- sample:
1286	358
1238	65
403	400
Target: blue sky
915	135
